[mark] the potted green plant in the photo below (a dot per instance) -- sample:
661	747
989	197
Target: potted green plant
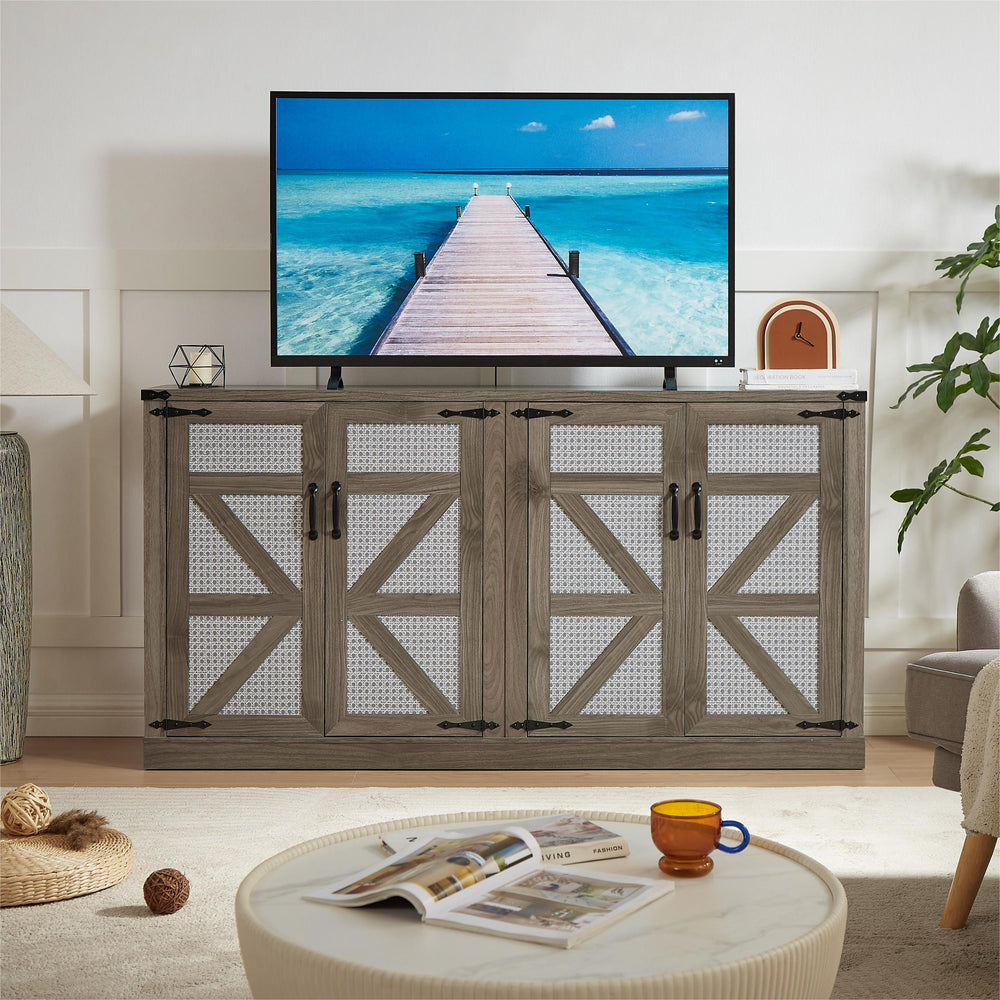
954	373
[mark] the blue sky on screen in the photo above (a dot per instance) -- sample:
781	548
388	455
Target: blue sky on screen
350	133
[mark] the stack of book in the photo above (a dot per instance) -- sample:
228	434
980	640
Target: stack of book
799	378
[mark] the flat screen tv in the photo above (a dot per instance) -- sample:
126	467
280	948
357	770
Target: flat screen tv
501	229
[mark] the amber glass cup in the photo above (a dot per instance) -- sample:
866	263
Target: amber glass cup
686	831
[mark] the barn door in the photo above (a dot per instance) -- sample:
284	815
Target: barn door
404	634
605	579
244	577
763	534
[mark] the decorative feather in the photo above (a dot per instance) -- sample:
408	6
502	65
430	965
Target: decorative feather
80	827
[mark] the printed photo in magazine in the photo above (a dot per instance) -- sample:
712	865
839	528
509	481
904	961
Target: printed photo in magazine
494	882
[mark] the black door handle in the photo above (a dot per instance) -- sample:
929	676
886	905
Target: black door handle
336	510
674	534
696	488
313	533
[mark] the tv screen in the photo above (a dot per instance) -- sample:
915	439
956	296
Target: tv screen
501	229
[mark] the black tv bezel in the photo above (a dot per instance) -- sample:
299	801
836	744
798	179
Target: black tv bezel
505	361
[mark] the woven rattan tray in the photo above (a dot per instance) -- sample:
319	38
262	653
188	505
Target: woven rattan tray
41	869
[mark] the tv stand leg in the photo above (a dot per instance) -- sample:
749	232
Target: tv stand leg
670	378
336	380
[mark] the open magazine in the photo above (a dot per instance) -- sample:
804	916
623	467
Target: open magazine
494	882
564	839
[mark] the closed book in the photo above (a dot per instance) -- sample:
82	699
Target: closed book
798	378
563	839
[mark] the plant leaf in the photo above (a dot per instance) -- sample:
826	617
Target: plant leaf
946	389
979	376
972	465
936	480
923	382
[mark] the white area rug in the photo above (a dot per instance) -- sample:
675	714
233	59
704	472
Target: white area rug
893	848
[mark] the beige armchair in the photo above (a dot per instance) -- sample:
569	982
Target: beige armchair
937	702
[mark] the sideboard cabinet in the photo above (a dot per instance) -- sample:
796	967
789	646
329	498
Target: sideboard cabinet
486	578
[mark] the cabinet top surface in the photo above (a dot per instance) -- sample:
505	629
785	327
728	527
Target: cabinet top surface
300	394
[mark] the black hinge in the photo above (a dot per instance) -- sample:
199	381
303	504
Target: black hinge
481	414
859	395
530	412
840	414
154	394
836	724
176	411
178	724
477	724
530	724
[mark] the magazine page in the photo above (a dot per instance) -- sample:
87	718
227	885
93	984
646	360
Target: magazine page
435	868
551	905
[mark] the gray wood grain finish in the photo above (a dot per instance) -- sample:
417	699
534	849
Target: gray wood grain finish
608	547
723	605
402	664
504	652
650	601
155	673
761	545
236	674
403	542
534	753
517	590
607	662
285	603
855	576
493	574
239	536
364	606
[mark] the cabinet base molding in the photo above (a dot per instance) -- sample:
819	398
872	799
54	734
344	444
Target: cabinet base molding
567	753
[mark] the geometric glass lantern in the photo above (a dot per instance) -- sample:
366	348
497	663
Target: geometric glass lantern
199	364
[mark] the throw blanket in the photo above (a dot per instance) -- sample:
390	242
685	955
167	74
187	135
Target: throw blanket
981	754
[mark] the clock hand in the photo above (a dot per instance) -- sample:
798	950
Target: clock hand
798	336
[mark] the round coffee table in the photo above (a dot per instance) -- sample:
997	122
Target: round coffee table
768	922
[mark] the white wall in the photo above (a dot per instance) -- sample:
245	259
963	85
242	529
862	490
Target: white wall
134	217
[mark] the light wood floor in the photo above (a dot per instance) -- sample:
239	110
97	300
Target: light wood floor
96	762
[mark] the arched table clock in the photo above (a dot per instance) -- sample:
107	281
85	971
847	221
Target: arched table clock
797	333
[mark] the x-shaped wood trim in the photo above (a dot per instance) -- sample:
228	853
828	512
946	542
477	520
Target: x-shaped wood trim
762	544
760	663
606	543
608	661
403	542
256	651
413	676
249	549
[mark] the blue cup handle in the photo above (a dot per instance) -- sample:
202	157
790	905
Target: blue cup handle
738	847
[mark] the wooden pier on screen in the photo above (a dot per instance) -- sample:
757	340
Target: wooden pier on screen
496	287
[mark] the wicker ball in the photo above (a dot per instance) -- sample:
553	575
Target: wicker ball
25	810
166	890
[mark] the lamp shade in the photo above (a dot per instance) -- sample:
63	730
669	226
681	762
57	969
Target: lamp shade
30	368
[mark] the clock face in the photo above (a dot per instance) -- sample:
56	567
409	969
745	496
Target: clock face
797	333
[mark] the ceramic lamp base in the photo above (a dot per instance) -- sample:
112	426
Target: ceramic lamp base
15	593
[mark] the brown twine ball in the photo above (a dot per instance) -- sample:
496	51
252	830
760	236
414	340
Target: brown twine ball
166	890
25	810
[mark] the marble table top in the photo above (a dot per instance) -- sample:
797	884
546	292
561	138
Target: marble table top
750	903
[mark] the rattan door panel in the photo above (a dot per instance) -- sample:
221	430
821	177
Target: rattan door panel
244	580
764	579
404	637
605	618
